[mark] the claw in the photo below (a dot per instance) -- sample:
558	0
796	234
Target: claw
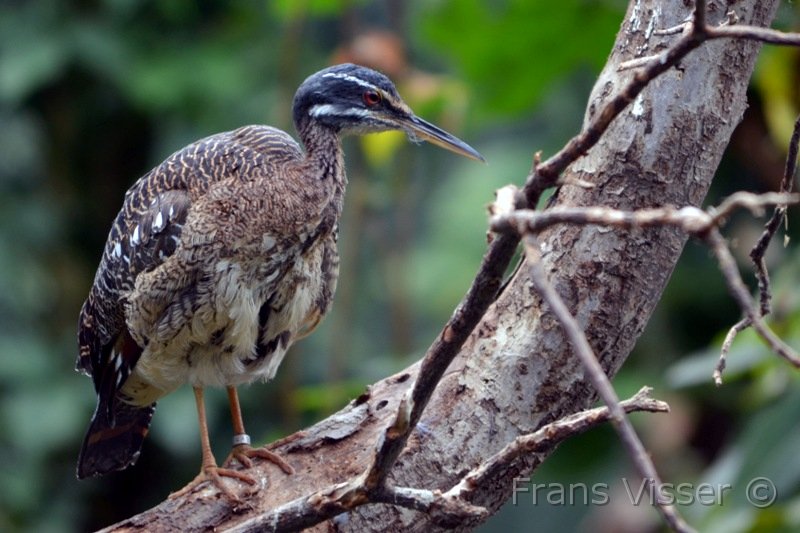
244	453
214	475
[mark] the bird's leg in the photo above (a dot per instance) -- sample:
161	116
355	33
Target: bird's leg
209	470
242	451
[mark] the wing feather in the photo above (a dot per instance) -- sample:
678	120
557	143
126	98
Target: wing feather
146	232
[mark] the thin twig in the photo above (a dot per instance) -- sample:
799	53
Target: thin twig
741	294
760	248
577	338
758	252
699	18
726	348
692	220
701	224
548	436
729	29
753	33
546	174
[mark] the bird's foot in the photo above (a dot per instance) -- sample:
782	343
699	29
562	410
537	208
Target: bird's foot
244	453
214	475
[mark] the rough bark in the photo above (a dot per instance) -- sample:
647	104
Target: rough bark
516	372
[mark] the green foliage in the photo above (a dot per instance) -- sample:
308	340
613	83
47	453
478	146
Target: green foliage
511	51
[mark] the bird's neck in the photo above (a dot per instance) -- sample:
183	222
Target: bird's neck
323	153
323	172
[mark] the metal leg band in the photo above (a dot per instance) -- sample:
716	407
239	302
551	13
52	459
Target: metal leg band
241	438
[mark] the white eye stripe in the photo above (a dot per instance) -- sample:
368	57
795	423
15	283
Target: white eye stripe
322	110
353	79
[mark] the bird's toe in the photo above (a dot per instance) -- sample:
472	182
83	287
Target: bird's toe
215	475
244	454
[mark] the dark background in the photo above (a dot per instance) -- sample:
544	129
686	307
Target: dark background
95	93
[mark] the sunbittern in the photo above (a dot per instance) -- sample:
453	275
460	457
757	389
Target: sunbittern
220	258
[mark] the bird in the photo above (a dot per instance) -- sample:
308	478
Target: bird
219	259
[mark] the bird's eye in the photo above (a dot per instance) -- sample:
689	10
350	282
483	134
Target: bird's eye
372	98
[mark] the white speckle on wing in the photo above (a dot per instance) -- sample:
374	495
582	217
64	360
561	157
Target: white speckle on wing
222	265
159	222
135	236
271	277
268	242
117	253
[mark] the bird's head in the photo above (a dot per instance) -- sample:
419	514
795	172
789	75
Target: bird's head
353	99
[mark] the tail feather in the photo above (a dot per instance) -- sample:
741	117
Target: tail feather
113	443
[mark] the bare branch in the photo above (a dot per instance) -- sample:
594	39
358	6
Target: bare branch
741	294
726	348
729	29
760	248
488	280
689	219
758	252
547	437
754	33
447	509
630	440
699	17
701	224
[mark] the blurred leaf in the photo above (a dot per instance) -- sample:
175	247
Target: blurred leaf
318	399
44	417
175	425
512	50
747	353
291	9
379	148
454	237
32	49
24	358
777	79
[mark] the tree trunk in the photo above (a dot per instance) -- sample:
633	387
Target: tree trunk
516	372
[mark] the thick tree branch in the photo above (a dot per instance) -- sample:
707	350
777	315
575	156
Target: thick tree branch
597	376
449	508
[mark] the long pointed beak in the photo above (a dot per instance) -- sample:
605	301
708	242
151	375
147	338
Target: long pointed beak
415	127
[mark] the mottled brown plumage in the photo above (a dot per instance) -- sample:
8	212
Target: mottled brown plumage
220	258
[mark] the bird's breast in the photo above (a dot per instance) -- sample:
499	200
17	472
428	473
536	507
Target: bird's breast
245	318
